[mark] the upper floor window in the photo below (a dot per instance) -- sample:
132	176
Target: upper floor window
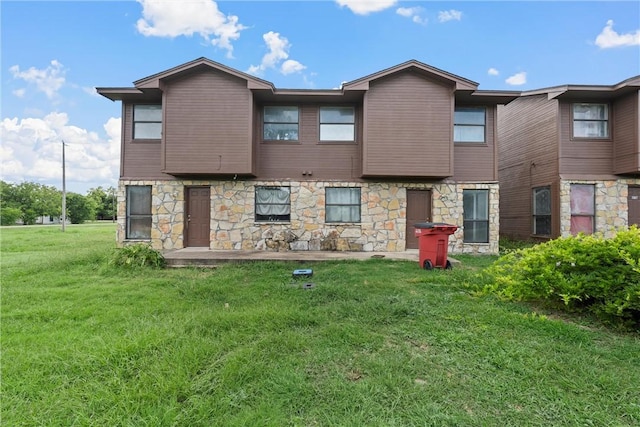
280	123
342	204
273	204
542	211
590	121
469	124
337	124
147	121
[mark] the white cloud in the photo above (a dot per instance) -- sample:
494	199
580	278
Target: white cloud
493	72
91	91
278	51
32	151
48	80
169	18
415	13
365	7
608	38
19	92
517	79
290	66
449	15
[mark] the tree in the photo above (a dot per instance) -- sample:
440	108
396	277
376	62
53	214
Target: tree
32	199
9	215
105	202
80	208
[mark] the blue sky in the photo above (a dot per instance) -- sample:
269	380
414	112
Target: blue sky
53	55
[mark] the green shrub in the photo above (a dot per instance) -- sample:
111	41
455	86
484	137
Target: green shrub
138	255
9	215
579	272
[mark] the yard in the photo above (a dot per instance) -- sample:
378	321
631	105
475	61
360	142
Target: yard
378	342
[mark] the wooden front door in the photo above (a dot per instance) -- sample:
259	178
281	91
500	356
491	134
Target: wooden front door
418	210
634	205
197	216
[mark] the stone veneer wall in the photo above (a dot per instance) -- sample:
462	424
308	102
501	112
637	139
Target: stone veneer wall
612	210
382	227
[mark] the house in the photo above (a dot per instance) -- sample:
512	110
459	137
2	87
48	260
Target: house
570	161
213	157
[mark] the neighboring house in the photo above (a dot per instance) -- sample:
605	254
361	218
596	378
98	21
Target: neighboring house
213	157
48	219
570	161
43	220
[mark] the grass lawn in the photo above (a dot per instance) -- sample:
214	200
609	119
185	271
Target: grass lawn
374	343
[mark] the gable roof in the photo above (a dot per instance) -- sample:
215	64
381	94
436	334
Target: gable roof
460	83
149	88
153	81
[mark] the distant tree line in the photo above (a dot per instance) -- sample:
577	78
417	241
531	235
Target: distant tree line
29	201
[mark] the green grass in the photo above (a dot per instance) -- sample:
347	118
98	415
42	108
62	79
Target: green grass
379	342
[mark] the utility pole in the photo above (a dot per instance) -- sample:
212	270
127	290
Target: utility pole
64	192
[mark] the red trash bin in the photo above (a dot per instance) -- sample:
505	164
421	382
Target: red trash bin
433	240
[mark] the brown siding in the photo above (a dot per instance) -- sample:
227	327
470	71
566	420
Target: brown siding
626	146
140	160
477	162
408	127
528	158
207	127
295	160
582	156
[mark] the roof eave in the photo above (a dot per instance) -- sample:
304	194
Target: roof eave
567	90
118	93
488	96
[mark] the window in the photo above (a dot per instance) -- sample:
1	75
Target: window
542	211
273	204
469	124
590	121
139	212
582	208
147	121
476	216
337	124
280	124
342	204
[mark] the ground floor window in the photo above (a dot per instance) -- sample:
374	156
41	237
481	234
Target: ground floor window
342	204
542	211
583	208
273	204
476	216
138	212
